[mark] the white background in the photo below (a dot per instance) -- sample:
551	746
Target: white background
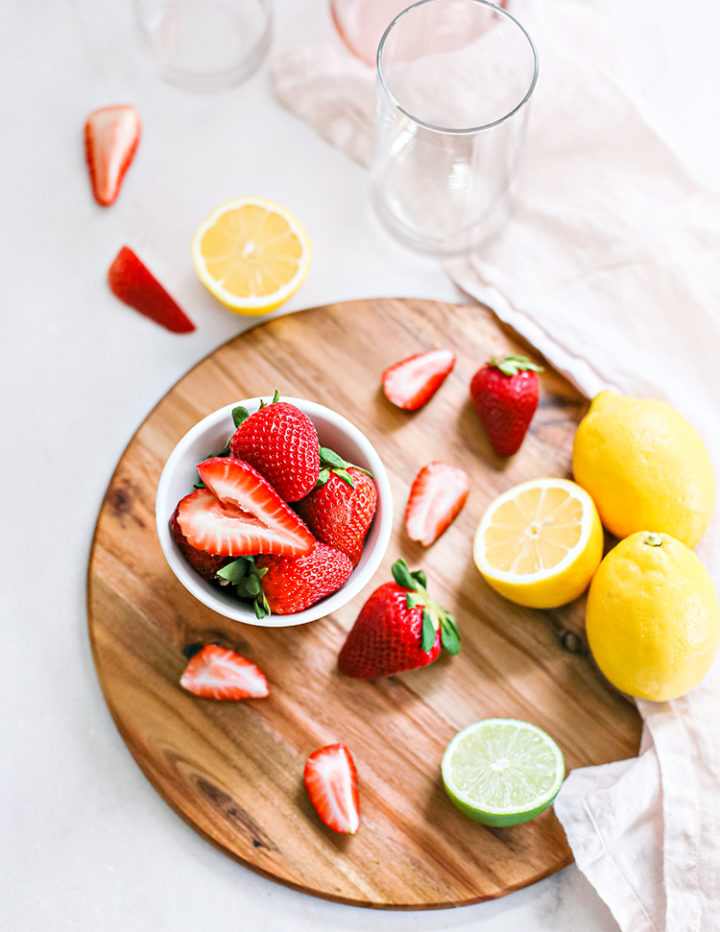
85	842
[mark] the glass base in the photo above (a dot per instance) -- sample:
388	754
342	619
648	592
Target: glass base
448	245
203	47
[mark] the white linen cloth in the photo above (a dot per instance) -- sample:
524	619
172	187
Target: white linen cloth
609	266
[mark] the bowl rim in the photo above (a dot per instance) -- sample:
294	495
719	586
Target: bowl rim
200	588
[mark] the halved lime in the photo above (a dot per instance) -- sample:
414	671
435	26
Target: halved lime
502	771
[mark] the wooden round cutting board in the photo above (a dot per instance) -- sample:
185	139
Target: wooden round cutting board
233	770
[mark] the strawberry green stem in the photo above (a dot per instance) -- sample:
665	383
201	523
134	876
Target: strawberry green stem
244	575
434	615
331	462
511	365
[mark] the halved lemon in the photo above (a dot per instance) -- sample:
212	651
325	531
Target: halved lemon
540	543
252	254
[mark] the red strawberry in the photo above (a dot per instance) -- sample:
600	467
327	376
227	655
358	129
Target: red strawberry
206	564
505	393
413	381
111	138
399	628
340	509
240	513
331	781
436	497
135	285
217	673
291	584
281	442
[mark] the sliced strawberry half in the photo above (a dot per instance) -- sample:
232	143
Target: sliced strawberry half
240	513
131	281
413	381
218	673
111	138
331	781
436	498
206	564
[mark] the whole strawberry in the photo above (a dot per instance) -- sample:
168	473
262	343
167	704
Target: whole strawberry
206	564
283	585
505	393
399	628
291	584
340	509
281	442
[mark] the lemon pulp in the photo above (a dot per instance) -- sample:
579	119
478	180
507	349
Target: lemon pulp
252	254
539	543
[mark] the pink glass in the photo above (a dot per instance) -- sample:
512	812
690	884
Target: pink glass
361	23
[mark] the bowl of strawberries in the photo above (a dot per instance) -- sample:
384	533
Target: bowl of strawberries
274	512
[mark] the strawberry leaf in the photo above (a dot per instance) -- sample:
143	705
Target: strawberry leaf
322	478
419	576
345	476
331	458
414	600
401	575
333	462
261	607
428	632
511	365
246	577
449	634
252	586
240	415
235	571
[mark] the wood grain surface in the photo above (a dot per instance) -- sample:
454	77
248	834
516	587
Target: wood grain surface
233	770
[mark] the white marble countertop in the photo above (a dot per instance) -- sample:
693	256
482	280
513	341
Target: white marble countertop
86	842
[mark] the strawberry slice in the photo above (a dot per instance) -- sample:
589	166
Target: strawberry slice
111	138
413	381
135	285
240	513
436	497
206	564
331	781
217	673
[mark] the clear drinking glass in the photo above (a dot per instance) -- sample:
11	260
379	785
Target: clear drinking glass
206	45
454	78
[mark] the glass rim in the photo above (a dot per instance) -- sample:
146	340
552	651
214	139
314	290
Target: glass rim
460	131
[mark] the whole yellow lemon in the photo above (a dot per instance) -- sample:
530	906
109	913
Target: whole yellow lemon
645	467
653	617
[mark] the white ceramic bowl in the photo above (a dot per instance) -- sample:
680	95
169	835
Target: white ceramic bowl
210	435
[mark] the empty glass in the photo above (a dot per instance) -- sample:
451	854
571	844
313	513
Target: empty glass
454	78
206	45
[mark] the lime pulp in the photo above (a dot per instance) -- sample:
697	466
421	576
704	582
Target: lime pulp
501	771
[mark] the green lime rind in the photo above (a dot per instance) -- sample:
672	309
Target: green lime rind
502	771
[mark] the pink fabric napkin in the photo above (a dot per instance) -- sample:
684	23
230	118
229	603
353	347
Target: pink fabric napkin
609	266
